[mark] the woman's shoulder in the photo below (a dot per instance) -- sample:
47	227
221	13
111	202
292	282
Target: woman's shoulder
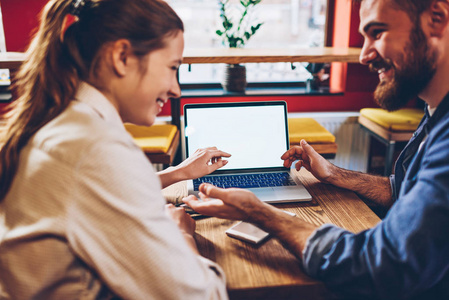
77	129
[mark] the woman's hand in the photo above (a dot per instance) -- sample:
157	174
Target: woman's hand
203	162
184	221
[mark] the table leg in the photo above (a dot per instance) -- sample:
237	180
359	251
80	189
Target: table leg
175	104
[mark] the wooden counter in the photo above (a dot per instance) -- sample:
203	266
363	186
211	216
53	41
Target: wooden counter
247	55
12	60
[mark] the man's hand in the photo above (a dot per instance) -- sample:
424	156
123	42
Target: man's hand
308	158
238	204
235	204
373	188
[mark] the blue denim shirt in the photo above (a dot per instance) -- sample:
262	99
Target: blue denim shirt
405	256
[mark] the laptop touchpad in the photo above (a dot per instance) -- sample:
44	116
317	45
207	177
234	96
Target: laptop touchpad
264	194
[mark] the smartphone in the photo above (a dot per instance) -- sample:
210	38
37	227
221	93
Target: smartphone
250	233
247	232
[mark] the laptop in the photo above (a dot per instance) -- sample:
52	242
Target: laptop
256	135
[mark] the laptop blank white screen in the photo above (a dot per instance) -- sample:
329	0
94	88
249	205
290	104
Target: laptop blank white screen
256	136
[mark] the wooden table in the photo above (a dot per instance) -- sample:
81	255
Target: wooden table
269	271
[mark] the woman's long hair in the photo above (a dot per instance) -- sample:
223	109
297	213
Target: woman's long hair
57	61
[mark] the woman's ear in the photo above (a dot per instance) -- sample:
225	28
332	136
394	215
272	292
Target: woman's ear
438	17
120	54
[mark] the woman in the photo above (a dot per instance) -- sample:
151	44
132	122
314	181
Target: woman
81	210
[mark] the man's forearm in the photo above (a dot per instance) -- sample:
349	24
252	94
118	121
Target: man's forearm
291	231
372	187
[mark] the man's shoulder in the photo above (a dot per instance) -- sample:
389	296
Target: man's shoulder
441	128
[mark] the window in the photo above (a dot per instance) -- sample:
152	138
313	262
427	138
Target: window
287	23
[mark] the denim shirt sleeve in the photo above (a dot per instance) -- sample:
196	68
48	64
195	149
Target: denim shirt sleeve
406	254
319	243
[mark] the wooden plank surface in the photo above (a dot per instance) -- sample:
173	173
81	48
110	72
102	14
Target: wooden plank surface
269	271
13	60
343	207
247	55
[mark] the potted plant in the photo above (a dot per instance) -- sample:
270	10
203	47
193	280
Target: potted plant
236	31
316	70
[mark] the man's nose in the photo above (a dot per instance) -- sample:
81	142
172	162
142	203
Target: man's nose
368	54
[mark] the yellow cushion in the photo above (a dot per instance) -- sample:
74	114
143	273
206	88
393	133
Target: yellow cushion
406	119
309	130
153	139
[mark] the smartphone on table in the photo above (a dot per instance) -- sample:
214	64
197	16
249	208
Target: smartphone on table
248	232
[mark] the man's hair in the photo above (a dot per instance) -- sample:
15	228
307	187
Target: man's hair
414	8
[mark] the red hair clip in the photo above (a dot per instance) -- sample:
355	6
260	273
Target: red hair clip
76	8
69	19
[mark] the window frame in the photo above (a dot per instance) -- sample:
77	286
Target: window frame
269	85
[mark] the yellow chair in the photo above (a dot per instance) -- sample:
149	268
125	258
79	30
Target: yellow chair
159	142
313	133
390	128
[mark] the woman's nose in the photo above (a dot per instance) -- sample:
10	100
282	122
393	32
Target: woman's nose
175	90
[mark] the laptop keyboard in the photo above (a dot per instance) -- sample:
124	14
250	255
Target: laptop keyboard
245	181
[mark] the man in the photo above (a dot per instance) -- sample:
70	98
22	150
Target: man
406	256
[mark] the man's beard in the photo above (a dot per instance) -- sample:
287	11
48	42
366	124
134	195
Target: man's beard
417	67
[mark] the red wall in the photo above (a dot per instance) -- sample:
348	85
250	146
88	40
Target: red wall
350	101
20	18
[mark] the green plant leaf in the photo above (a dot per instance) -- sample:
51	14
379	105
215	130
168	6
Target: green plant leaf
236	36
255	28
227	25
